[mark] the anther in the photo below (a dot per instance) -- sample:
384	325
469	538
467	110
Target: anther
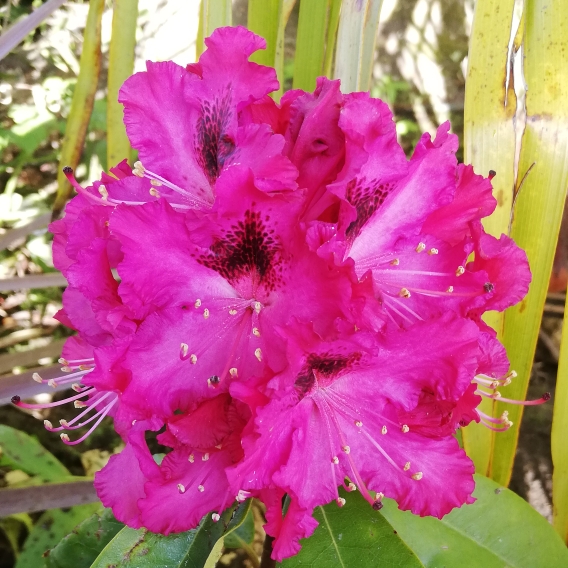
48	424
154	192
15	399
450	289
256	331
215	517
488	287
64	437
420	247
205	313
395	262
64	423
406	466
258	353
335	460
84	367
200	488
352	486
257	307
213	381
181	488
183	349
79	404
156	182
378	502
417	476
66	369
460	270
433	251
340	501
233	372
193	358
404	293
62	361
76	387
103	191
346	449
197	303
37	378
205	456
232	312
383	430
191	458
405	428
52	383
358	423
138	169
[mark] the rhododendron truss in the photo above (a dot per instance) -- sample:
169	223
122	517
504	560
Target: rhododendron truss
291	302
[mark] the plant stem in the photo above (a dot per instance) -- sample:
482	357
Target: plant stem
265	560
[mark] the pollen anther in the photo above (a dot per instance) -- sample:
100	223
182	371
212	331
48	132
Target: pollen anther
450	289
404	293
205	313
191	458
420	247
205	456
48	424
200	488
138	169
233	372
433	251
346	449
37	378
181	488
233	312
406	466
256	331
193	358
197	303
79	404
183	349
335	460
405	428
358	423
417	476
154	192
384	430
395	262
215	517
340	501
258	353
460	270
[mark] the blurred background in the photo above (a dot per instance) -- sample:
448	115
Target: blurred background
420	67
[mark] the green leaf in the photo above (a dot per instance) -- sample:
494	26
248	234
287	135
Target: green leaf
353	535
120	67
539	205
83	101
213	14
310	43
243	534
19	450
499	530
132	548
80	548
51	527
558	438
489	144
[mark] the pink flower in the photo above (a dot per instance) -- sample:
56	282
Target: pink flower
296	303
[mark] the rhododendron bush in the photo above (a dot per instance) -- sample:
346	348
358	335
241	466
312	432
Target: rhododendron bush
291	303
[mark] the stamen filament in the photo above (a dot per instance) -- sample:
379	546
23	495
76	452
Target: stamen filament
17	402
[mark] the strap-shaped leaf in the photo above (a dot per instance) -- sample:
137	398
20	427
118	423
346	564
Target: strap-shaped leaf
120	67
540	203
82	103
500	529
489	144
213	14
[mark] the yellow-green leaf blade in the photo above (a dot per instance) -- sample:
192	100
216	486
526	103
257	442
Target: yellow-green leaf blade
558	438
213	14
489	144
540	204
82	103
120	67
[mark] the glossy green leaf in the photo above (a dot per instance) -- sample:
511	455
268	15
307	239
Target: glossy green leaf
353	535
51	527
132	548
120	67
499	530
558	438
81	547
356	38
540	203
244	534
21	451
82	103
263	19
287	7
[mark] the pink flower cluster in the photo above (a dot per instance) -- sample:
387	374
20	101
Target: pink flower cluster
293	304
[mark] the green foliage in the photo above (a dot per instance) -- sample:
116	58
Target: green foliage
132	548
80	548
21	451
499	529
51	527
353	535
